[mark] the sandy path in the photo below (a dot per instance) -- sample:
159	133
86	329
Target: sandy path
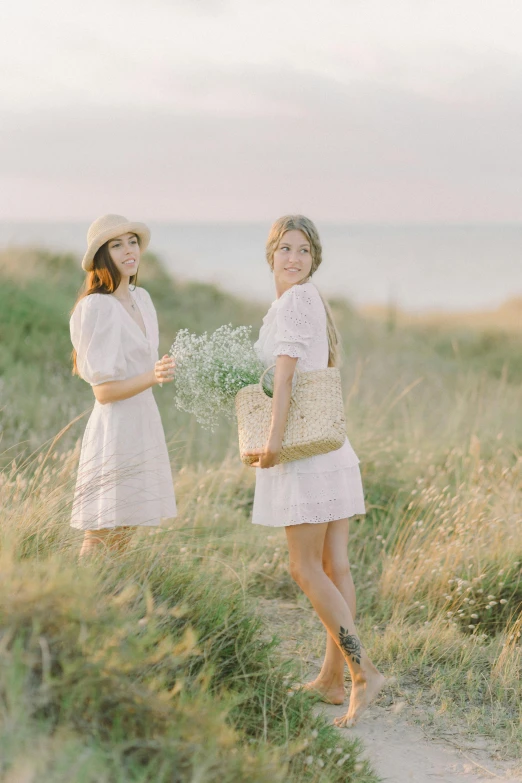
399	750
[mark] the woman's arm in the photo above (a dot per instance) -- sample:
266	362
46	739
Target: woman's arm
284	373
113	391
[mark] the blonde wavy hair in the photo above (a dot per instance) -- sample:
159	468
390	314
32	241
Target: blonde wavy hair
304	224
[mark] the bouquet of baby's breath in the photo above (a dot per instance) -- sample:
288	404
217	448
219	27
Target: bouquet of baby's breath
211	369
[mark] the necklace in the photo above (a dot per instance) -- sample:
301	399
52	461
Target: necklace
130	301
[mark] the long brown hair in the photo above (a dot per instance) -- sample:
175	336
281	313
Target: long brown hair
304	224
104	278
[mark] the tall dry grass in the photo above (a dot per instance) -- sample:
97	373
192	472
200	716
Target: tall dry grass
151	665
434	416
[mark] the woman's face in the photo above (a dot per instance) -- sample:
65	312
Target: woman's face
292	259
125	253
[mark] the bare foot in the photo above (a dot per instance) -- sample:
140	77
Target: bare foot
330	694
364	691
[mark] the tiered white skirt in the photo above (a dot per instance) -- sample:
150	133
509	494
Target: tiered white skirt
312	490
124	474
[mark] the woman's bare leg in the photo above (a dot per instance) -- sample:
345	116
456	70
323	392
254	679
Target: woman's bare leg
93	541
119	540
306	546
329	684
114	539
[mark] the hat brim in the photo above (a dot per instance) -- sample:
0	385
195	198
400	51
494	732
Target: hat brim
140	229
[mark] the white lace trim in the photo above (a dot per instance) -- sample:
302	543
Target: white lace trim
306	498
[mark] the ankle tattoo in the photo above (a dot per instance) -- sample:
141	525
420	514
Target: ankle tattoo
351	645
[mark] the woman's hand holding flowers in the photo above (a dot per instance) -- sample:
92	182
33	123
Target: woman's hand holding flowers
164	370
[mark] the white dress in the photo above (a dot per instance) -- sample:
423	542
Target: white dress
124	474
315	489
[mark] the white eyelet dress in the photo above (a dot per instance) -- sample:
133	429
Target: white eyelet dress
124	474
315	489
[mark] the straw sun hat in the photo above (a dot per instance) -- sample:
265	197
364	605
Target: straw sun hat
107	227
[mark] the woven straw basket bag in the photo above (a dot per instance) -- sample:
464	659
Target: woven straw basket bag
316	423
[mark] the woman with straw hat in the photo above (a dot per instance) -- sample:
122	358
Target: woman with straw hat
124	475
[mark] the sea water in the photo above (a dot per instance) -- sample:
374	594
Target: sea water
416	267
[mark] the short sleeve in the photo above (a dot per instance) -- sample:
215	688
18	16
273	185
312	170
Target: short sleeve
96	335
296	322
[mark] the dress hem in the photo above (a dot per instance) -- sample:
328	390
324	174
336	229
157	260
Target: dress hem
311	522
151	523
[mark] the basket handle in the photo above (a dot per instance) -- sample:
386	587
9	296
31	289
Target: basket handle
271	367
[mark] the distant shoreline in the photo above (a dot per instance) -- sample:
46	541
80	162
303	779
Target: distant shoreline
417	268
507	317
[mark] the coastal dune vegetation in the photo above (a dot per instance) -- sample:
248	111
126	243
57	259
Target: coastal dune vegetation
162	663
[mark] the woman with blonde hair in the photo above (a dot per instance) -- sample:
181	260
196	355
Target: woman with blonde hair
124	475
313	497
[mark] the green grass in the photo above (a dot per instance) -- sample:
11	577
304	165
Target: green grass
435	419
156	666
150	667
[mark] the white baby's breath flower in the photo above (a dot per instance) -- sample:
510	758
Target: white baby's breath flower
211	369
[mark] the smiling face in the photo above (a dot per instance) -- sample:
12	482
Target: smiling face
292	260
125	253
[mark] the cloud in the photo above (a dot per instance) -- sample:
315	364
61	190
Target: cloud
353	112
289	118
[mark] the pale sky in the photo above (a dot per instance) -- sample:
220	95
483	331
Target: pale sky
346	110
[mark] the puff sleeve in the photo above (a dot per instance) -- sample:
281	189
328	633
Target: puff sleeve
296	321
96	335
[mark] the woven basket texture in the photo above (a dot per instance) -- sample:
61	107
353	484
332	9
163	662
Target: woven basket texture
316	422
